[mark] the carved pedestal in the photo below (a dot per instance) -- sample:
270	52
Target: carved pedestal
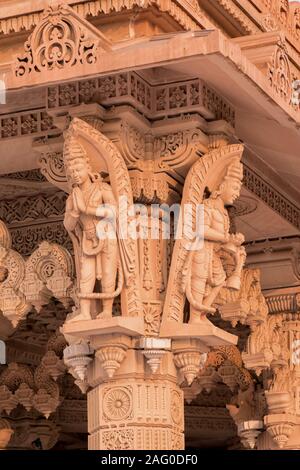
142	414
131	404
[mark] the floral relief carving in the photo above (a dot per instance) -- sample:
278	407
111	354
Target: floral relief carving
22	124
280	73
48	272
52	167
118	439
117	403
152	317
176	407
61	39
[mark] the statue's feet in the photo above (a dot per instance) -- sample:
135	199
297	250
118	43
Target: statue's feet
200	317
74	317
105	315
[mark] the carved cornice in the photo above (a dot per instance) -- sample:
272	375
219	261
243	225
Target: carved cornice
252	16
271	196
281	15
154	102
186	15
247	24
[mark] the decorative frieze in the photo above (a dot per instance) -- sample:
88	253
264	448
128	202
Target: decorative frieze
25	124
95	8
152	411
25	210
29	175
34	219
26	239
154	101
272	197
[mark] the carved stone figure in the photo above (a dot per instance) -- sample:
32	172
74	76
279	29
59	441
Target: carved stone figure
94	222
207	257
205	272
91	201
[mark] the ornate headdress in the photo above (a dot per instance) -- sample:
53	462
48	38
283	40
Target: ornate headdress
73	150
235	171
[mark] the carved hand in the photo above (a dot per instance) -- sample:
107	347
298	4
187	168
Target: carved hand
237	238
79	200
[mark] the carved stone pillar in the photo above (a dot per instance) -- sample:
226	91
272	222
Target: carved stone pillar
134	364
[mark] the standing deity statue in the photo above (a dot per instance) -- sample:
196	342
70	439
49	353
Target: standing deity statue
205	270
207	257
90	221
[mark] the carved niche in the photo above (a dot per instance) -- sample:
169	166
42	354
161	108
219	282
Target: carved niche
48	273
13	303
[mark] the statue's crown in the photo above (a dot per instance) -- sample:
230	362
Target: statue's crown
235	171
73	150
